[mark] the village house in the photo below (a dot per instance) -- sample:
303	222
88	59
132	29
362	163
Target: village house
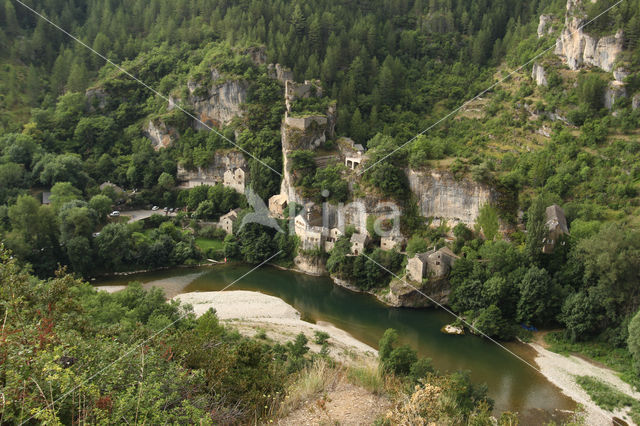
392	241
277	205
332	237
432	264
235	179
311	237
358	243
226	221
556	227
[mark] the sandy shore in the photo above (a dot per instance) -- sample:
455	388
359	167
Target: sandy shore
561	371
251	311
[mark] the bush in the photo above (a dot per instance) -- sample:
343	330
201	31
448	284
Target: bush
320	337
401	360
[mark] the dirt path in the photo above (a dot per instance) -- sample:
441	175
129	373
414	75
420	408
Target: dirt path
346	404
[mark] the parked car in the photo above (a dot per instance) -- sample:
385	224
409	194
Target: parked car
154	208
166	209
115	213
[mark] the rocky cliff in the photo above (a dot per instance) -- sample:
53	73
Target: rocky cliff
214	172
441	196
215	102
578	48
403	295
538	75
310	265
160	135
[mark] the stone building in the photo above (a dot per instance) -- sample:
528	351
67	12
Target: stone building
331	238
227	221
311	237
277	205
235	179
358	243
556	227
434	264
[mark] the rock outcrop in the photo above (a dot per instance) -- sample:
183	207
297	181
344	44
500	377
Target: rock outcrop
538	75
578	48
310	265
441	196
545	25
214	172
403	295
96	98
615	91
215	102
160	135
635	103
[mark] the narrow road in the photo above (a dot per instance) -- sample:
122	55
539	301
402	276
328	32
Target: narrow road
136	215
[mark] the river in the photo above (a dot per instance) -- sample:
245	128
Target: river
513	385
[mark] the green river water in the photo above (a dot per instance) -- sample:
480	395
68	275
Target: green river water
513	385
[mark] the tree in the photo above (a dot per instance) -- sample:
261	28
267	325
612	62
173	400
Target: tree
101	204
114	245
416	244
80	254
536	228
633	342
401	359
488	221
62	193
385	345
537	302
166	181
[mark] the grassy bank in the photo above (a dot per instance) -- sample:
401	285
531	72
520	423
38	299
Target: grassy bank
617	359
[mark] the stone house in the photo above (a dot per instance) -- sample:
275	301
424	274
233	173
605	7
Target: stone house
434	264
331	238
226	221
235	179
358	243
556	227
277	205
311	237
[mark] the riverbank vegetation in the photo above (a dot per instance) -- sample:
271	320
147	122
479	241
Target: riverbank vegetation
72	354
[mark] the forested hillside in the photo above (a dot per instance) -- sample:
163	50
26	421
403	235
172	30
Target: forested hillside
564	134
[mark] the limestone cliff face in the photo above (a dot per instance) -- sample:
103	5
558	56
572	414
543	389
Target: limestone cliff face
545	26
214	172
615	91
442	196
160	135
635	103
96	98
578	48
310	265
538	75
215	104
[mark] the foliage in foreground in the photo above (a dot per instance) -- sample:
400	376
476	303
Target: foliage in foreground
70	354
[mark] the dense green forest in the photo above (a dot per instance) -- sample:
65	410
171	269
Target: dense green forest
393	68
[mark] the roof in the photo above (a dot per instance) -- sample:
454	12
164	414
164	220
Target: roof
447	251
107	184
232	215
358	147
359	238
423	256
555	217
